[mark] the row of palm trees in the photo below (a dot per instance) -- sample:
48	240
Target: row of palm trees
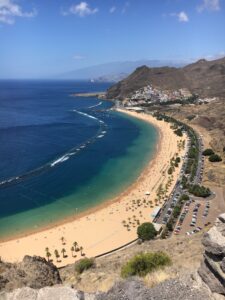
75	248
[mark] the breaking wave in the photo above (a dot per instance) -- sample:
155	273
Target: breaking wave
98	104
65	157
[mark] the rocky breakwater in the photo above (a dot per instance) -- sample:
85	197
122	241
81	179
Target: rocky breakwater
212	269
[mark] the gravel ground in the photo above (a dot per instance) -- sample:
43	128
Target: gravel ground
174	289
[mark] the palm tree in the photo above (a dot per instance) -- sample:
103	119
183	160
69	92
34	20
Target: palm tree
48	254
63	251
81	249
72	250
63	240
57	255
75	246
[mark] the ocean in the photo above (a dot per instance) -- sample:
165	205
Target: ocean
61	155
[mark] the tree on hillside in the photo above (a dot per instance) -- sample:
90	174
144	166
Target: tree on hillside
215	158
207	152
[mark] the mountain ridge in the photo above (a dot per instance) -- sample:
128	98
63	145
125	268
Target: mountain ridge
206	78
114	70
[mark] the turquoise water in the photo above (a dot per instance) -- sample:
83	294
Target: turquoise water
113	178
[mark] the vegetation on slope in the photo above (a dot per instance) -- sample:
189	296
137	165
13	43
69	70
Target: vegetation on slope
144	263
84	264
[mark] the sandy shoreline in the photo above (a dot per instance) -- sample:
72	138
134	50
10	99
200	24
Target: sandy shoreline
103	228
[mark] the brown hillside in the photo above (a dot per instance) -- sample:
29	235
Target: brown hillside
206	78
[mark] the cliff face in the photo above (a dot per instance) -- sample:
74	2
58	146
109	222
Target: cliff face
212	270
34	272
124	290
206	78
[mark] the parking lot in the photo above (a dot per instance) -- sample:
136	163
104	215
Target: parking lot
195	216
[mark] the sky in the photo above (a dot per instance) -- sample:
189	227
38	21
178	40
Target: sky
43	38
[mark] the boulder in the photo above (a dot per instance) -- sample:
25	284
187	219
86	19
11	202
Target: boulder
47	293
212	269
222	218
34	271
214	242
210	280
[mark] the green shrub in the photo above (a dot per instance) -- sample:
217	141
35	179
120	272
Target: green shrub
176	211
215	158
84	264
145	263
146	231
207	152
199	191
184	197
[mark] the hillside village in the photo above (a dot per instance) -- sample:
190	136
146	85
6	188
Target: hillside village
150	95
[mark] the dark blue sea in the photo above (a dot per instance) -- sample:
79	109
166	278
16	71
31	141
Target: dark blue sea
60	155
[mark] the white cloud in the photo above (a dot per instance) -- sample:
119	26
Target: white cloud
112	9
9	10
78	57
82	9
181	16
211	5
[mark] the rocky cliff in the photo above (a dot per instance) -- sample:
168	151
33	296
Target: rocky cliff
206	78
212	270
133	289
34	272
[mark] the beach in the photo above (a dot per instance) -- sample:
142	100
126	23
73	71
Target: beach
114	223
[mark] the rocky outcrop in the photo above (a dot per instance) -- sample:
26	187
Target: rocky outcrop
173	289
183	288
212	270
47	293
33	271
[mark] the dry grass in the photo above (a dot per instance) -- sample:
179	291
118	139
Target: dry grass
159	276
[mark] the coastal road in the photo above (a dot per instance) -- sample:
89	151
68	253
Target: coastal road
199	172
178	191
